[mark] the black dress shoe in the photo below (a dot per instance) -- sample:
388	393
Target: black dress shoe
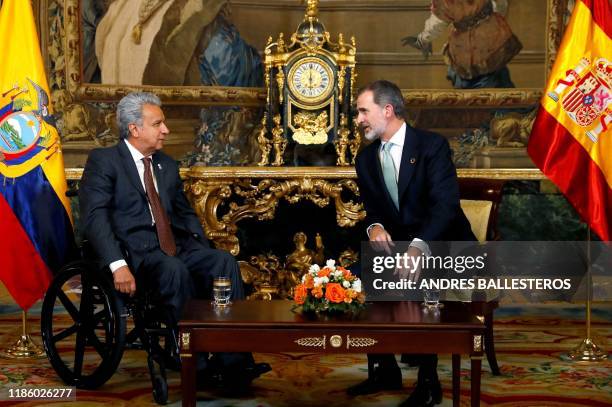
208	378
381	380
257	369
426	394
236	382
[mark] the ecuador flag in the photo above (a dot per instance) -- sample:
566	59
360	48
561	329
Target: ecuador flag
571	141
35	217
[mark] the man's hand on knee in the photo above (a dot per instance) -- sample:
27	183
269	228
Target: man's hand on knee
124	281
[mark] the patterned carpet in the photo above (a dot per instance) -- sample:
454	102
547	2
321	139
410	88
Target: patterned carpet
529	343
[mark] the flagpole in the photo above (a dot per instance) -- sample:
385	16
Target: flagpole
24	347
588	350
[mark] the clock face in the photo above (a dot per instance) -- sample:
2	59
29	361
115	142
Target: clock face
311	80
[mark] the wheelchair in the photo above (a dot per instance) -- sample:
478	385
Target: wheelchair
83	312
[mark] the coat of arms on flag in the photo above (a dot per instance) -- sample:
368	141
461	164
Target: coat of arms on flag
27	136
587	95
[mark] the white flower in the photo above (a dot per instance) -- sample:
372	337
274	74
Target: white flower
331	263
357	285
325	279
337	274
346	284
318	281
314	269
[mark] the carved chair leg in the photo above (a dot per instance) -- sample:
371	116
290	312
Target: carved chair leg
489	344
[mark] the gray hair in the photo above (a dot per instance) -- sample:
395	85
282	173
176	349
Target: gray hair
129	110
386	93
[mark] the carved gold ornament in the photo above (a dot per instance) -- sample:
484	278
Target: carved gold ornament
310	128
185	339
312	341
252	197
477	343
359	342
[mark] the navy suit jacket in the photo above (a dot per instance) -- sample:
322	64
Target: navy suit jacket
427	187
114	208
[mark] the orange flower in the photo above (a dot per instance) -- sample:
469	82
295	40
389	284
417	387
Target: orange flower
299	294
349	294
334	292
317	292
324	272
308	281
346	274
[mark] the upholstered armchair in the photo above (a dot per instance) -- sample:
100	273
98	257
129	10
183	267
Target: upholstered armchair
480	199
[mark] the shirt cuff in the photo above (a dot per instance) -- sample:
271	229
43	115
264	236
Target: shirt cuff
117	264
421	245
371	226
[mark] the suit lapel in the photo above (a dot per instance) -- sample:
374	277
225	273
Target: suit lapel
410	156
130	167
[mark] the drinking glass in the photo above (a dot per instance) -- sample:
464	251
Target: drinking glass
222	290
431	298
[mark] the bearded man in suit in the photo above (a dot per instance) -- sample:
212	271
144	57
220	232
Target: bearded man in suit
139	222
408	185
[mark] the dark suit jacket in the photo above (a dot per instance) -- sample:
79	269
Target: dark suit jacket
114	209
427	187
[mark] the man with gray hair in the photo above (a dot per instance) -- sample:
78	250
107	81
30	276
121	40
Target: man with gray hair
138	220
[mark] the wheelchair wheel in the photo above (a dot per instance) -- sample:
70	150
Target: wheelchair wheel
83	329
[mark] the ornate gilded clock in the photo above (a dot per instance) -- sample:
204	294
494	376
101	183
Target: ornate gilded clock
311	79
309	94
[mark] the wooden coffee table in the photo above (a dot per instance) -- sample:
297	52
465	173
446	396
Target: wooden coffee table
383	327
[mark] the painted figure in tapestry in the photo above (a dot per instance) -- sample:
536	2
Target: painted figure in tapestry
169	42
480	41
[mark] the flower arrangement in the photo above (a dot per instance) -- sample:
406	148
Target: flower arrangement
329	289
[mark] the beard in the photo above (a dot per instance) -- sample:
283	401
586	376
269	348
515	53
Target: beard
373	133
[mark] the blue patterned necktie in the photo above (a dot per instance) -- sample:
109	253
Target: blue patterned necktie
388	169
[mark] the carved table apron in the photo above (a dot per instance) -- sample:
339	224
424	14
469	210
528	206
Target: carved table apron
383	327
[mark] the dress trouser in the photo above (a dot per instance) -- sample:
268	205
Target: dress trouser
427	363
173	280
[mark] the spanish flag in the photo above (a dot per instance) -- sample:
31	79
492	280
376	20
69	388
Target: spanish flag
571	140
35	219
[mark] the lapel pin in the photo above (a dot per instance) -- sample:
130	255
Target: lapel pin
159	166
412	160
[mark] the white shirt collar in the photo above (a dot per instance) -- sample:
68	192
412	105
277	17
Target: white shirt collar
398	138
137	156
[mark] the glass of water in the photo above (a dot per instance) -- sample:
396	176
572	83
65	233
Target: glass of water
431	298
222	290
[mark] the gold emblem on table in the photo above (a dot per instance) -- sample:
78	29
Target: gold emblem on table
335	341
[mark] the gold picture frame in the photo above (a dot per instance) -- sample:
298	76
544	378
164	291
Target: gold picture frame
237	96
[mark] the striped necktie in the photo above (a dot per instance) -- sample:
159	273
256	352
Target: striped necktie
388	169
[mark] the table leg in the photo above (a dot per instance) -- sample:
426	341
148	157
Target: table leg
188	380
476	365
456	379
